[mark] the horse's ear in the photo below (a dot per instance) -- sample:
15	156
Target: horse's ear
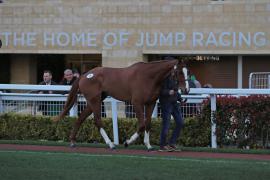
181	63
184	64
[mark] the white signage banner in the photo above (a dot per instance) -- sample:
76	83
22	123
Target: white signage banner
142	39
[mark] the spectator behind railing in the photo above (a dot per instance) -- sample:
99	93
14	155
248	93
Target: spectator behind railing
68	79
47	80
194	83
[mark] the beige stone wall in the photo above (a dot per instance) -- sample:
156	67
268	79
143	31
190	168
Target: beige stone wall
23	69
64	17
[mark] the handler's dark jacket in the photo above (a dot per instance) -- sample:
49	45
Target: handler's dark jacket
169	84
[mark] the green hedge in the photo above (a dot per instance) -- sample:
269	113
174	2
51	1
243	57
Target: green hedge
25	127
240	122
243	121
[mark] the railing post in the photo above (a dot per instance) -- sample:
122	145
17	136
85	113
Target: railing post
213	123
269	81
115	122
74	110
1	104
155	111
250	81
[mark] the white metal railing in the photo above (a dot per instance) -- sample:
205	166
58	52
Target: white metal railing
259	80
196	95
52	104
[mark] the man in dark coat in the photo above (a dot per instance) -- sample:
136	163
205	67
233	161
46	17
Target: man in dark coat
69	78
169	96
47	80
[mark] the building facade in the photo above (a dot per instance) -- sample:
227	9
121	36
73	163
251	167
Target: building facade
222	41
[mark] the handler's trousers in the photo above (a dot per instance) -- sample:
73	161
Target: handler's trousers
168	109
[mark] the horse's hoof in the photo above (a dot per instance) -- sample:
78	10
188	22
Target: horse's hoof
150	149
113	148
72	145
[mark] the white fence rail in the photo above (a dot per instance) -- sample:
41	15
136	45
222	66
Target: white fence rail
52	104
114	109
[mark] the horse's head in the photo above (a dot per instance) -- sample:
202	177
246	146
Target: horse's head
180	68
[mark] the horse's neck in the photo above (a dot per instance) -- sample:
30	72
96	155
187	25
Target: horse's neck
159	71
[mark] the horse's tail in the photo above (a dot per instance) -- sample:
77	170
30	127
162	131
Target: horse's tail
72	97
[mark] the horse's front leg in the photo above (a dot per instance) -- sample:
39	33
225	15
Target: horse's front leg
96	106
139	113
148	113
106	138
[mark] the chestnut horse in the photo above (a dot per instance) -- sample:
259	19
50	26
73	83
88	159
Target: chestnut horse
139	83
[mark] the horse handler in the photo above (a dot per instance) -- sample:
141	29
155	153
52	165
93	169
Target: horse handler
169	96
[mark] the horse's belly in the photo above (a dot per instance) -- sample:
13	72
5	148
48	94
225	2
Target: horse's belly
120	97
118	93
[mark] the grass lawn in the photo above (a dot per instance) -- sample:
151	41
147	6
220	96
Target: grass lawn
29	165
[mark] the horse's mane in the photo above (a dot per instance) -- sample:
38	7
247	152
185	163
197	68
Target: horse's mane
151	63
159	61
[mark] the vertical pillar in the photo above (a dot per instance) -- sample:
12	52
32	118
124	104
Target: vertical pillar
239	72
213	123
73	112
115	122
155	111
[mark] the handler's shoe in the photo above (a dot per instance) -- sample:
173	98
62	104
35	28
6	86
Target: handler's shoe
165	149
174	148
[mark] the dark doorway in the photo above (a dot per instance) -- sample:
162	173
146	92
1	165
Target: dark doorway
53	62
5	68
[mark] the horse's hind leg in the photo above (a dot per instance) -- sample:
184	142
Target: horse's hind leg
85	113
96	106
148	113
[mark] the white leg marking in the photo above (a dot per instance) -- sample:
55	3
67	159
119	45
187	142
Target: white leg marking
133	138
185	74
147	140
106	138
